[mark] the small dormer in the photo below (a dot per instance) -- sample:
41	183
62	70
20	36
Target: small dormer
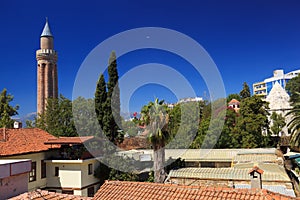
255	176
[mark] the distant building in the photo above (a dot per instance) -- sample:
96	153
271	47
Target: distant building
278	100
235	104
264	87
190	99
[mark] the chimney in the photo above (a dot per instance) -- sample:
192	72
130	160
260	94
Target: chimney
17	124
255	176
4	134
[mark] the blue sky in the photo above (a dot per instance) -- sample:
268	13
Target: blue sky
247	40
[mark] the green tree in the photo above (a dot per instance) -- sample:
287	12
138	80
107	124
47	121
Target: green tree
245	92
252	123
278	122
6	110
85	118
113	118
156	119
294	124
183	124
234	96
58	118
100	101
293	87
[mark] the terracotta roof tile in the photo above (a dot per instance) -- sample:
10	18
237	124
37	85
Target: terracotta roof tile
24	140
126	190
233	101
44	195
69	140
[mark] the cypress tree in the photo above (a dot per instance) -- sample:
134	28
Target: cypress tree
100	100
113	100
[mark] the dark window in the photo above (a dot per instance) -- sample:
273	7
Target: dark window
43	169
67	192
56	171
90	169
91	191
32	174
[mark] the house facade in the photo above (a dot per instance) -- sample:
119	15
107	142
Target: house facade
13	177
57	164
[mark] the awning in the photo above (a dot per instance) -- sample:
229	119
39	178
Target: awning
294	156
298	161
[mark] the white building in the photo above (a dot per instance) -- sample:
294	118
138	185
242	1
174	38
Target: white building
264	87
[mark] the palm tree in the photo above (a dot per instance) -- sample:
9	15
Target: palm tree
156	119
294	124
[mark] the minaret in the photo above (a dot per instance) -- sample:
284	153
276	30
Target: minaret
46	58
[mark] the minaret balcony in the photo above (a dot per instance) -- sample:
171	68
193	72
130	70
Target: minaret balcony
46	53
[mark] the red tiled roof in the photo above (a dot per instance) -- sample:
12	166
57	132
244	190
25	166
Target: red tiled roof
42	195
255	168
233	101
69	140
23	140
134	143
125	190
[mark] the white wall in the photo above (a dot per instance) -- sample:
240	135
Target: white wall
35	157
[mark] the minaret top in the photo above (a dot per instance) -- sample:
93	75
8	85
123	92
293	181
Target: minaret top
46	31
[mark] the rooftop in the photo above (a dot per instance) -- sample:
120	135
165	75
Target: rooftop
44	195
126	190
275	174
69	140
216	155
23	140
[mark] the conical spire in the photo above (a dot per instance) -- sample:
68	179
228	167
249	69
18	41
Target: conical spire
46	31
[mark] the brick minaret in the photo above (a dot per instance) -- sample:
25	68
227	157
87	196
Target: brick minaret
46	58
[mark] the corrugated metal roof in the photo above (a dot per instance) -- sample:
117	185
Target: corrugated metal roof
216	155
46	31
226	173
274	188
255	158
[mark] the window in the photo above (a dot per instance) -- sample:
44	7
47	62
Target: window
67	192
90	169
56	173
32	173
43	169
91	191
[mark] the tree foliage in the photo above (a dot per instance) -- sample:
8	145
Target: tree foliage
245	92
293	87
85	117
278	122
233	96
57	119
7	110
156	119
100	101
107	103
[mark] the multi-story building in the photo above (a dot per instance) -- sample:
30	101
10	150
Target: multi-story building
56	164
263	88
